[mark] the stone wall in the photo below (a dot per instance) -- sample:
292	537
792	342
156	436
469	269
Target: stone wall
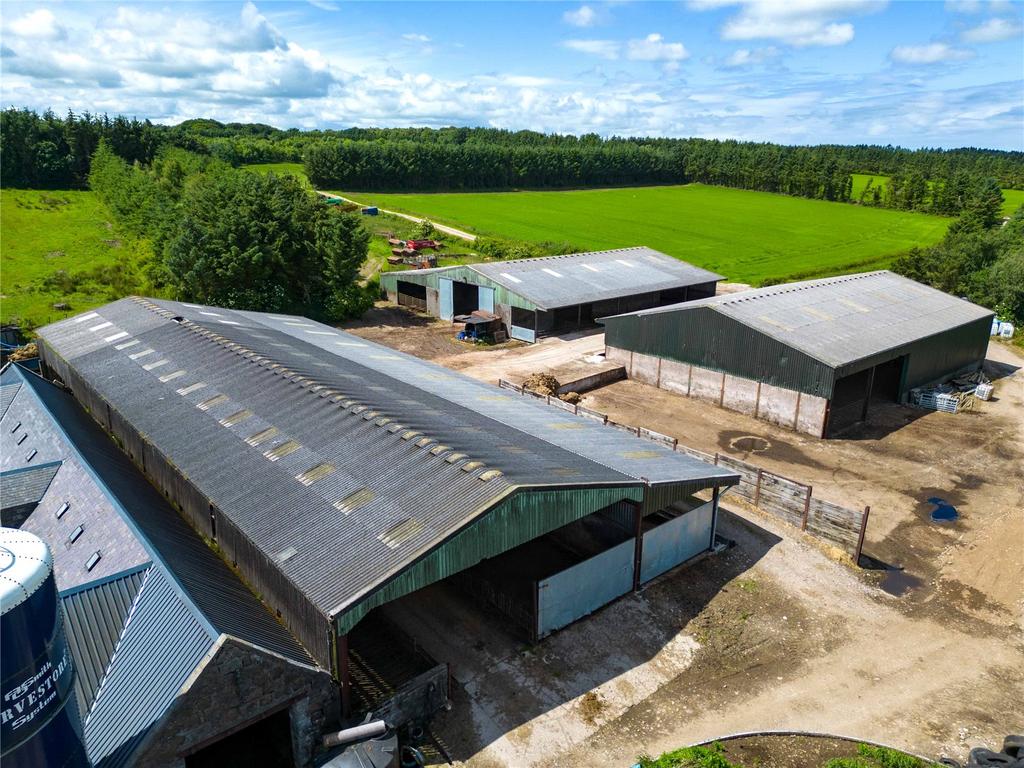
777	405
239	685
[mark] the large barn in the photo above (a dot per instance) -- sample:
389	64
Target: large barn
552	294
811	356
337	475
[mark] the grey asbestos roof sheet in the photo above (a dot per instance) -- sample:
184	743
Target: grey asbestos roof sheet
840	320
27	485
214	593
94	617
581	278
408	431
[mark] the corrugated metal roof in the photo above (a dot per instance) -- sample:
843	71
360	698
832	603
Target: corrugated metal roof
26	486
581	278
214	592
840	320
417	435
94	617
162	644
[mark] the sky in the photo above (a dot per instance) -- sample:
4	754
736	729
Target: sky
914	73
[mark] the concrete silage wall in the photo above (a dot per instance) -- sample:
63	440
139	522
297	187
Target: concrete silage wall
776	405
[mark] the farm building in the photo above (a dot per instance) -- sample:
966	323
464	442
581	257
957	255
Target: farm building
337	475
158	627
552	294
812	356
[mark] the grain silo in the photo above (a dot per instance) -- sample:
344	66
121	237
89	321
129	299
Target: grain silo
40	723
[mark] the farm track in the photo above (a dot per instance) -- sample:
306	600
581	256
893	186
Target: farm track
408	217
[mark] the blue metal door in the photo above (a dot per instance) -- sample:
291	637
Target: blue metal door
445	298
485	299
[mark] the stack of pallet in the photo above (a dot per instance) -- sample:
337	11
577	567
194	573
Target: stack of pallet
954	396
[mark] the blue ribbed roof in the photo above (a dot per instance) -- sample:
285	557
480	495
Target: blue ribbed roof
163	642
94	617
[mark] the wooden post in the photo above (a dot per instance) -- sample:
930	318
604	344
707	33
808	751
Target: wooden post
638	549
721	394
796	414
757	401
860	538
757	489
807	508
344	675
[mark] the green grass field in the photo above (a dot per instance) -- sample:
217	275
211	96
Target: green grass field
281	169
748	236
58	247
1012	198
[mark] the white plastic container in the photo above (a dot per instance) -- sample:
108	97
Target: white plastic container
983	391
1006	330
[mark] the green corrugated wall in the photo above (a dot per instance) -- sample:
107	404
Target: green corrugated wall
700	336
429	278
520	517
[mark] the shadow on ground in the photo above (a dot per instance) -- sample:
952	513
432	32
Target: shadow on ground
517	696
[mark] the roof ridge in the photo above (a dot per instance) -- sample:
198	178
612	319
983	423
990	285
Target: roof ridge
784	288
330	394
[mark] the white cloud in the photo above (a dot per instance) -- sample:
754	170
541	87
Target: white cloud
606	49
798	23
169	65
38	25
584	16
416	37
654	48
324	5
931	53
746	57
993	31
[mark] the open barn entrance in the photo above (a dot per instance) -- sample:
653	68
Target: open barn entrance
412	295
465	298
855	394
266	742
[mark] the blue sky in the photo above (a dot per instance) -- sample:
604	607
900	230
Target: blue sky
941	74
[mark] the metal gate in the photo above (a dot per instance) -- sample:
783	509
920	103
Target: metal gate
676	541
445	298
584	587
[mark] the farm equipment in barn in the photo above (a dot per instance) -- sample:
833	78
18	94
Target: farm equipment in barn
480	326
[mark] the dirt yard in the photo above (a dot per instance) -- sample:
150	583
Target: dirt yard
773	634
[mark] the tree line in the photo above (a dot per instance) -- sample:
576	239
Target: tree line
45	150
981	257
232	238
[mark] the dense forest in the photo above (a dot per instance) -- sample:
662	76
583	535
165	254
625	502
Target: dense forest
981	258
45	150
232	238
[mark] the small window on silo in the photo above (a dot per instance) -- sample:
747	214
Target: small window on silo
94	558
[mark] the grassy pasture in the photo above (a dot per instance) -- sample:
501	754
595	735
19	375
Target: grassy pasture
59	246
748	236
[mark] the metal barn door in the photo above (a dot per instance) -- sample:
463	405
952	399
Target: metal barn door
485	299
445	298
